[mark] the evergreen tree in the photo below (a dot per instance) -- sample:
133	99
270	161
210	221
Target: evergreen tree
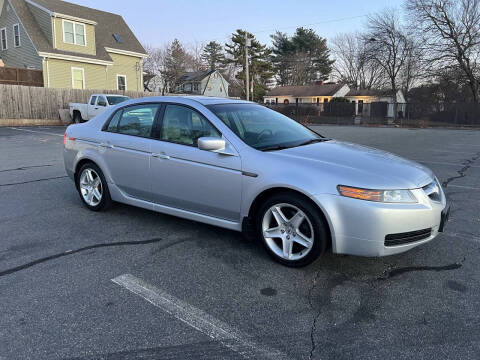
302	58
175	64
213	55
259	62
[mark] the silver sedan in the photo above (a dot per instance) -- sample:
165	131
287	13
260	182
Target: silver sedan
244	167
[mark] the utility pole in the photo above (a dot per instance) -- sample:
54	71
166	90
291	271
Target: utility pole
247	75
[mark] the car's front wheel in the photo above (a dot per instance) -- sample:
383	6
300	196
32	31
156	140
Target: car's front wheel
93	188
292	229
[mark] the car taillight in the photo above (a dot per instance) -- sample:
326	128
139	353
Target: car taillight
65	138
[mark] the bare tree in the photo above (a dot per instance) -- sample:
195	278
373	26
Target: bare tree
413	71
154	66
389	47
450	30
194	61
352	65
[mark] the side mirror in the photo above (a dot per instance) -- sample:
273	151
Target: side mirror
211	144
102	103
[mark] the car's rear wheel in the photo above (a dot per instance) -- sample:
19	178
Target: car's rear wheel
77	117
93	188
292	229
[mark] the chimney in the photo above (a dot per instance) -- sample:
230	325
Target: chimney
319	82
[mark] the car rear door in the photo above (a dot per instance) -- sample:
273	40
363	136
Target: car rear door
128	148
187	178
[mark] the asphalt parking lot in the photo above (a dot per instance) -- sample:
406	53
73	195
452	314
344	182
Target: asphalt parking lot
134	284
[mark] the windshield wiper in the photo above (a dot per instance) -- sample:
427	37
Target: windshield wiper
313	141
273	148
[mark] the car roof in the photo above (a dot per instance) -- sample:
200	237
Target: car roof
204	100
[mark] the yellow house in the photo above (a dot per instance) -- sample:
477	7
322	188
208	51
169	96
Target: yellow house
75	46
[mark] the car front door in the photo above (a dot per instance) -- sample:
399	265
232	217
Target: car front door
98	107
127	143
187	178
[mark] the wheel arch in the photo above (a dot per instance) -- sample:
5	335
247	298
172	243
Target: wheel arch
267	193
82	162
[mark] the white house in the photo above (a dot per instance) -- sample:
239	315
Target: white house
208	83
323	93
310	94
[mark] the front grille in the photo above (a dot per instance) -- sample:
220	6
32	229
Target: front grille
407	237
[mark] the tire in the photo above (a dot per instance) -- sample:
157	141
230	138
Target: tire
77	117
86	186
286	219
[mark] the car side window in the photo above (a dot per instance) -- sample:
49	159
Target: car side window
113	124
185	126
137	120
93	100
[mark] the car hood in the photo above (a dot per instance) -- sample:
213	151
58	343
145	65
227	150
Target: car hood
361	166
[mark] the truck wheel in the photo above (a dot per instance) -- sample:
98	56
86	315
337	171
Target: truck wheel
77	117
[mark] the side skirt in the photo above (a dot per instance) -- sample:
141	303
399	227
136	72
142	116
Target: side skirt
120	196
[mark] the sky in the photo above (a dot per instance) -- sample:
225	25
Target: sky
199	21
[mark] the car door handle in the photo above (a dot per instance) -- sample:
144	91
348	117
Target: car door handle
161	156
105	145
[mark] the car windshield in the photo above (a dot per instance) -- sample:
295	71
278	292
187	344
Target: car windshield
114	100
262	128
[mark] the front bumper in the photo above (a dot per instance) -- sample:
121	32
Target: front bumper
361	227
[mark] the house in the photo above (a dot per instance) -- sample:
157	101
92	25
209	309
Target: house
75	46
368	96
310	94
324	93
208	83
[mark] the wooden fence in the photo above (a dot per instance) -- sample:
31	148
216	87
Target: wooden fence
25	102
19	76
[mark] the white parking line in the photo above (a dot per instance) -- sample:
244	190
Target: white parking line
198	319
35	131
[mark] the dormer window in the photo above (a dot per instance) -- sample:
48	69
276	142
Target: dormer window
74	33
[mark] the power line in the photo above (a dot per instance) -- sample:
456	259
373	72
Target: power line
296	26
313	24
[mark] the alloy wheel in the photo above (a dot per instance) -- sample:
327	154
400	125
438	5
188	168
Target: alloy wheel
287	231
91	187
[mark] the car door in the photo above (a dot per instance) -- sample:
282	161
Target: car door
127	140
187	178
98	107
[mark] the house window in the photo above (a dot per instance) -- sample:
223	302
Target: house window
78	78
16	35
121	82
195	87
73	33
3	38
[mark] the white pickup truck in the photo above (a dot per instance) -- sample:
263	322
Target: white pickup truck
97	104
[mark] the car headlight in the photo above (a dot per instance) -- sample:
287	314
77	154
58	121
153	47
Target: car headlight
386	196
